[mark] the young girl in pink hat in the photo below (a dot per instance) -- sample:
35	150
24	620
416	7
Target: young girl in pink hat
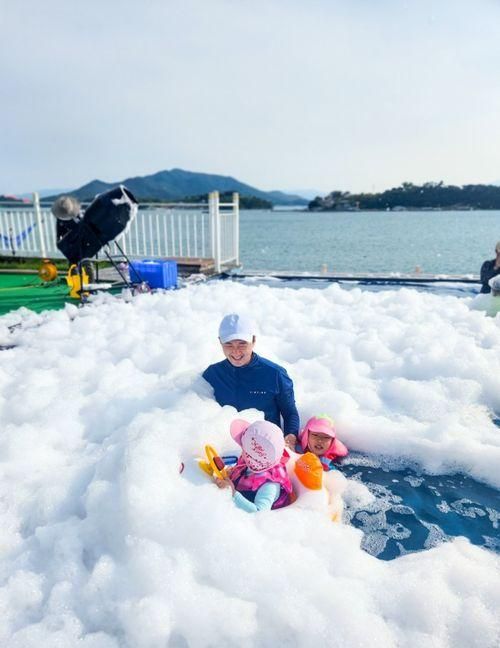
318	436
259	480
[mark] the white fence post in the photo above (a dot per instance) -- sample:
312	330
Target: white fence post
39	223
215	227
211	225
236	227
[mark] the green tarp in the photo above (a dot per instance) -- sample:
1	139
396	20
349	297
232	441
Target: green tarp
29	290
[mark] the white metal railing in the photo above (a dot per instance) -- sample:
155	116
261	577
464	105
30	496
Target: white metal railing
167	230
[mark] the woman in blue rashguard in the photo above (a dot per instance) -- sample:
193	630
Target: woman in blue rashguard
246	380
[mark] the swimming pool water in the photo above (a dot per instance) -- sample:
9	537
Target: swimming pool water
412	511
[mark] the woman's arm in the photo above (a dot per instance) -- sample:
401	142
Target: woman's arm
286	404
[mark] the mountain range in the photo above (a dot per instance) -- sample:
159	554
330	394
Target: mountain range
177	184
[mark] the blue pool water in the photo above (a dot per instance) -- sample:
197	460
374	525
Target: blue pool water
412	511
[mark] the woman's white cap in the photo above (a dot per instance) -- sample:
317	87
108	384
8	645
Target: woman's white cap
236	327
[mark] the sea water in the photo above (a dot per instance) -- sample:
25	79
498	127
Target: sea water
437	242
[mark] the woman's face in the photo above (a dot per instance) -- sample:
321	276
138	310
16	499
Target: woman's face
319	443
238	352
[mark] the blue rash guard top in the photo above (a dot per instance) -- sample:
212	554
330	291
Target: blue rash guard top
261	384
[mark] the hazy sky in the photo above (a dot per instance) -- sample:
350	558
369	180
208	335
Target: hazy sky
282	94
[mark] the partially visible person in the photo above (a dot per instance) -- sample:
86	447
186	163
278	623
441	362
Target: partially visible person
259	481
245	380
319	437
490	269
494	305
67	211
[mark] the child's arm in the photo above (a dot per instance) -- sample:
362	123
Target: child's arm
265	497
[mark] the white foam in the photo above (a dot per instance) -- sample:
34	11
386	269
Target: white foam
104	544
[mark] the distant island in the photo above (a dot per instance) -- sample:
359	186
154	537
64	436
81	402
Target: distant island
179	185
187	186
431	195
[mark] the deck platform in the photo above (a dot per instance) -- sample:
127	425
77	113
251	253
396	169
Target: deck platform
185	266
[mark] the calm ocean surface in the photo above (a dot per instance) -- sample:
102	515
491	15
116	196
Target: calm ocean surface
439	242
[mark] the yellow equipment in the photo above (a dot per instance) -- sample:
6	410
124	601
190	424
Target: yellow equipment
214	465
77	279
47	271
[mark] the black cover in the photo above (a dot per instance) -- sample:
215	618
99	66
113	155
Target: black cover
65	226
104	219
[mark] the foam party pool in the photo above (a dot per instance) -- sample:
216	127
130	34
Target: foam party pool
105	544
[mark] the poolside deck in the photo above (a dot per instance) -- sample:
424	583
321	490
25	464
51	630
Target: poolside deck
362	277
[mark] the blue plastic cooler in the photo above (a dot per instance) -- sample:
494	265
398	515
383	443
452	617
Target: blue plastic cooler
158	273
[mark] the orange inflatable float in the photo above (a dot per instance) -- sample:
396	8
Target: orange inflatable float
313	487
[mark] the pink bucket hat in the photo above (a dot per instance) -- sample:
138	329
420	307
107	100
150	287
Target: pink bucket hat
262	443
323	425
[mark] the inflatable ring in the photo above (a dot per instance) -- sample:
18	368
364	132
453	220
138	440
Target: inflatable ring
312	487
